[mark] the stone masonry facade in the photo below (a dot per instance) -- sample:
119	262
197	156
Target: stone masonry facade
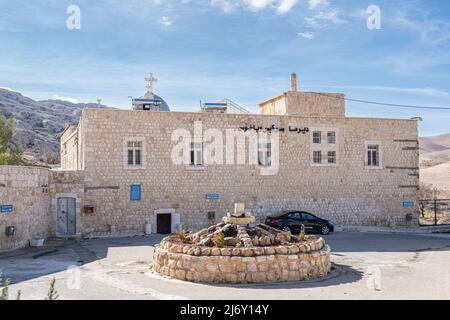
27	190
33	193
96	176
347	192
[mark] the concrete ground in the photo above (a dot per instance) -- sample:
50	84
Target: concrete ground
366	266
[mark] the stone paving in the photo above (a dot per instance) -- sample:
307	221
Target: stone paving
365	266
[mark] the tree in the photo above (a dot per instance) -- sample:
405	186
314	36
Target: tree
10	153
52	293
428	191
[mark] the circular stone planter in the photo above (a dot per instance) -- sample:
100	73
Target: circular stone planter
259	264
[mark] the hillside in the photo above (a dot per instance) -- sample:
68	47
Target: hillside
435	163
39	123
434	150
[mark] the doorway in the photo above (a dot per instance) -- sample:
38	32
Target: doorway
67	217
164	223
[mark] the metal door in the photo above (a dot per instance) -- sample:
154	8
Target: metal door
66	217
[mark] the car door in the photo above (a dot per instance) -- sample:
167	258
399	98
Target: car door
310	222
295	221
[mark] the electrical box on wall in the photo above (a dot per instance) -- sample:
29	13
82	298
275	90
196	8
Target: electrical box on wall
211	215
10	231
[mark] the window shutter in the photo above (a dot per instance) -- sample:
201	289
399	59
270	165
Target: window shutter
138	157
130	157
135	192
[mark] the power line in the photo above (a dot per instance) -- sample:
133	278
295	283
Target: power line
385	104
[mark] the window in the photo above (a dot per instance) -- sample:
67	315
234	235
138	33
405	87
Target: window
332	157
134	153
265	154
295	216
373	155
196	154
331	137
317	137
317	157
135	192
307	216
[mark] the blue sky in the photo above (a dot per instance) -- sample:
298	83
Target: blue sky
240	49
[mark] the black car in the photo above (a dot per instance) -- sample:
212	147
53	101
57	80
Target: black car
293	220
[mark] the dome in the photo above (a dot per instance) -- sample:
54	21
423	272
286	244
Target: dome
164	105
151	102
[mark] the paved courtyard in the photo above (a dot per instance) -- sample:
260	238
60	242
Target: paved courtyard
366	266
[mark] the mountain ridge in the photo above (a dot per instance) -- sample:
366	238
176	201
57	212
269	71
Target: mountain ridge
40	123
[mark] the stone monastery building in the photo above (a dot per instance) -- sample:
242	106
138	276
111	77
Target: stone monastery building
120	169
352	171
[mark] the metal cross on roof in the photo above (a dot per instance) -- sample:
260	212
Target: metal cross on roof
150	81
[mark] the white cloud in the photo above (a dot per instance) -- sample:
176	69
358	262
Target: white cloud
307	35
68	99
225	5
165	21
281	6
323	19
317	4
286	6
258	4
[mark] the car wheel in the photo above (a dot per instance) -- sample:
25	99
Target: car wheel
286	229
325	230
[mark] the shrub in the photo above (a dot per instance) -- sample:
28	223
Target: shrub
52	293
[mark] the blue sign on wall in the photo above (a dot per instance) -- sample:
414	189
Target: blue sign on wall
409	204
212	196
7	208
135	192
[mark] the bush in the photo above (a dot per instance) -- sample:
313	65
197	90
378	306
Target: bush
52	293
10	153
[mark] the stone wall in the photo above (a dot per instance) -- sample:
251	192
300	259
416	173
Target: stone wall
312	104
72	148
243	265
27	189
306	104
66	184
348	193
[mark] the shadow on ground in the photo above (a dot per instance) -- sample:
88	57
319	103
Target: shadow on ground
59	255
339	275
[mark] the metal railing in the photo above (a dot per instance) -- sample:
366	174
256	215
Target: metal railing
434	212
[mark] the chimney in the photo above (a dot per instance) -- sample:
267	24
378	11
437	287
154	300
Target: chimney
294	82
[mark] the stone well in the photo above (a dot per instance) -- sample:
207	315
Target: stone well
236	254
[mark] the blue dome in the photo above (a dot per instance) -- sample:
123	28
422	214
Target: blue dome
164	105
151	102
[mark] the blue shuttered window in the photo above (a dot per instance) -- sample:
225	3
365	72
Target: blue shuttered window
135	192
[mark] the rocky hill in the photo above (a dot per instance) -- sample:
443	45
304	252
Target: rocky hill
434	150
435	163
39	124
